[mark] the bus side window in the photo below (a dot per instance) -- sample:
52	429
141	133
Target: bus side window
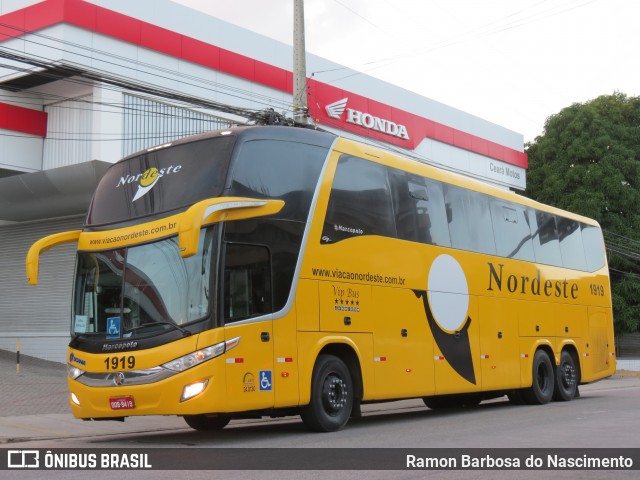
571	246
457	217
420	199
512	230
469	220
420	211
544	233
439	228
409	200
360	202
593	247
480	223
247	282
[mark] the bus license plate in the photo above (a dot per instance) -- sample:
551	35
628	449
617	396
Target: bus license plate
121	403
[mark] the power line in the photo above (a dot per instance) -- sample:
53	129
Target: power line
127	84
467	36
357	14
87	77
137	64
625	274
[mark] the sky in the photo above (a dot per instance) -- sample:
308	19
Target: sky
511	62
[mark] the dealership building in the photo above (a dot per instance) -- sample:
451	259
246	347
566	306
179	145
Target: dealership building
85	83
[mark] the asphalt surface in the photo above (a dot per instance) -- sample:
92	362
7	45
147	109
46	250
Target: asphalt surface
34	405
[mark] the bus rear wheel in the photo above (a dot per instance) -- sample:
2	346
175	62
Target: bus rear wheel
566	383
207	423
332	396
542	387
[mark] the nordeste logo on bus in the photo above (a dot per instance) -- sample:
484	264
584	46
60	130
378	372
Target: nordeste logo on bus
446	305
147	179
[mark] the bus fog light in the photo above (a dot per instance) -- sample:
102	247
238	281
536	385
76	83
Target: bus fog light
194	389
74	399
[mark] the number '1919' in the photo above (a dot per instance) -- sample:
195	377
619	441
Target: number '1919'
120	363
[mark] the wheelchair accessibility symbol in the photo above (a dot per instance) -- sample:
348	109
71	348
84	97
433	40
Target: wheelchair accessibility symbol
113	327
265	380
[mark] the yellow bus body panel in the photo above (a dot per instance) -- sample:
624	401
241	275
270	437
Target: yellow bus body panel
370	296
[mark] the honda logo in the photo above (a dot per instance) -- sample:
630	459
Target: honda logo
365	120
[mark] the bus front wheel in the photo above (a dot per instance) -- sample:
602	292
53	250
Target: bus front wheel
332	396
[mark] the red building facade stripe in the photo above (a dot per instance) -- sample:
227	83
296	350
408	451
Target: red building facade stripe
122	27
23	120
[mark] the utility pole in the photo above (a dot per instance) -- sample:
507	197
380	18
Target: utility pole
300	110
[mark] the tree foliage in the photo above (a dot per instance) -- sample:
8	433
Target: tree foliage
587	161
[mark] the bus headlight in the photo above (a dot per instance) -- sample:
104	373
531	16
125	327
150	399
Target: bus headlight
192	359
74	372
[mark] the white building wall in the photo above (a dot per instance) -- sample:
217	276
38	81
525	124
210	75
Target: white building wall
106	120
214	31
99	52
469	163
69	133
126	61
19	151
7	6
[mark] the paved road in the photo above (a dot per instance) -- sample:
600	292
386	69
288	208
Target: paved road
35	414
34	406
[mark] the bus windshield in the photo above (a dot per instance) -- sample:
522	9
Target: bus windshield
141	290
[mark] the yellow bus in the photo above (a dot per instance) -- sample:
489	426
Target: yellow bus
270	271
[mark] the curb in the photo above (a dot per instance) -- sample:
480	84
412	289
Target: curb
626	373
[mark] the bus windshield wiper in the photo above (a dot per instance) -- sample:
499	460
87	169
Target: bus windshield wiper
184	331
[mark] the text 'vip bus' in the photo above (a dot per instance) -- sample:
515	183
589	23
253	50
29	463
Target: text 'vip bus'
269	271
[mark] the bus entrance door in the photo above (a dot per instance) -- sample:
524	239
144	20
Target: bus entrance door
249	366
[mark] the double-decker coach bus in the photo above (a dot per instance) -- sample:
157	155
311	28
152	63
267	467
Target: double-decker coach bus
267	271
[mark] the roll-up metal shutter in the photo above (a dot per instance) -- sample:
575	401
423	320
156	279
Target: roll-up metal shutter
37	316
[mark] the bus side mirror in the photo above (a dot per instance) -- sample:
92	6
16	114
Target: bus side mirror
219	209
42	245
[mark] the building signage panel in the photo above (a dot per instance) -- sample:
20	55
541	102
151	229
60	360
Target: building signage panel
354	113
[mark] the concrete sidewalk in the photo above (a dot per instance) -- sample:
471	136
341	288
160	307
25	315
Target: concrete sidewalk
39	387
34	405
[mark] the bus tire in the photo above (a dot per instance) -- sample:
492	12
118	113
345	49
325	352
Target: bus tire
542	387
332	396
207	423
566	383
